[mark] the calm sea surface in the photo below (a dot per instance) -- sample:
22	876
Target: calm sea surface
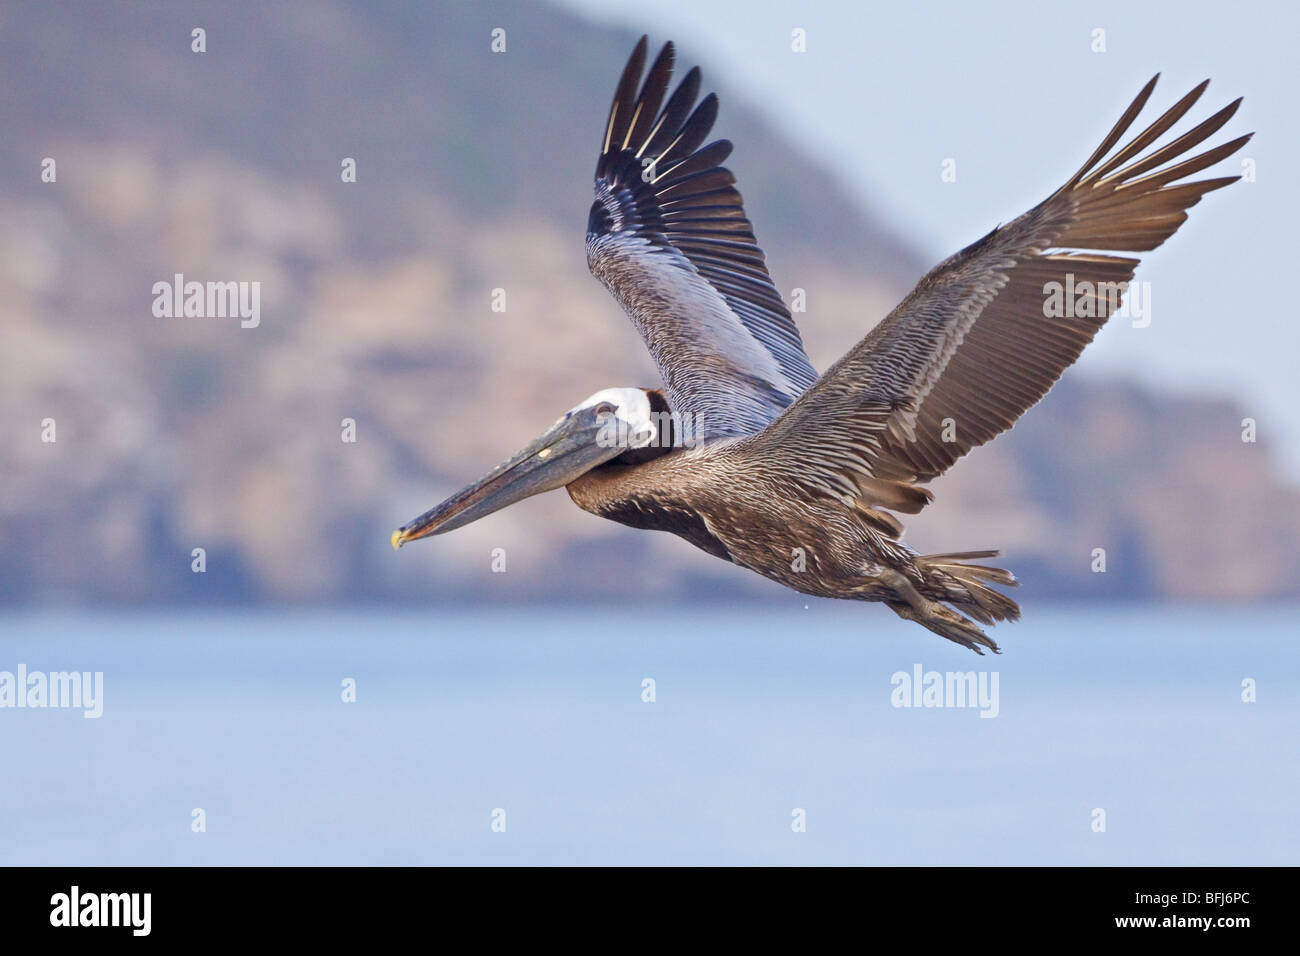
539	713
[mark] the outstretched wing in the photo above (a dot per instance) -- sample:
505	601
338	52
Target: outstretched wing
668	237
986	333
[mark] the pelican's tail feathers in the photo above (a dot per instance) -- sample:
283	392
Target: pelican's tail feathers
952	579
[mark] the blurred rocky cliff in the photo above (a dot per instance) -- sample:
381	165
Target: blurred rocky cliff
473	175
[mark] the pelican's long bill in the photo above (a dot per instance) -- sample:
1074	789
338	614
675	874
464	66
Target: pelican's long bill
567	450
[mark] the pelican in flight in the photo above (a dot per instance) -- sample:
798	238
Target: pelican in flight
749	454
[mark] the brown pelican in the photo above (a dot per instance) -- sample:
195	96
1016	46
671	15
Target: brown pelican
746	452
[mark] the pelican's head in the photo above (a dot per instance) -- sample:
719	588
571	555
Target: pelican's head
606	425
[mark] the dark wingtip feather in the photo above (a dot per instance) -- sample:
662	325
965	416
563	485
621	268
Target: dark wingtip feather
696	128
675	114
1125	121
650	99
620	110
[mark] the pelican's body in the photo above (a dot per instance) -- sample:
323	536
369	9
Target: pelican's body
715	501
750	455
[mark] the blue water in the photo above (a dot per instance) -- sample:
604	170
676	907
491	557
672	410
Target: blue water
539	712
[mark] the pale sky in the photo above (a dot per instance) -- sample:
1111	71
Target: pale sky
1016	96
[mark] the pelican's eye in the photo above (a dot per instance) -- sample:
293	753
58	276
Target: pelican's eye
604	410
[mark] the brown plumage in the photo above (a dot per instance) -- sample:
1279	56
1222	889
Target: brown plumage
746	453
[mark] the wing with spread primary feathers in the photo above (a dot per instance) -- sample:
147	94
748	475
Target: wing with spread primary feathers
986	333
667	235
